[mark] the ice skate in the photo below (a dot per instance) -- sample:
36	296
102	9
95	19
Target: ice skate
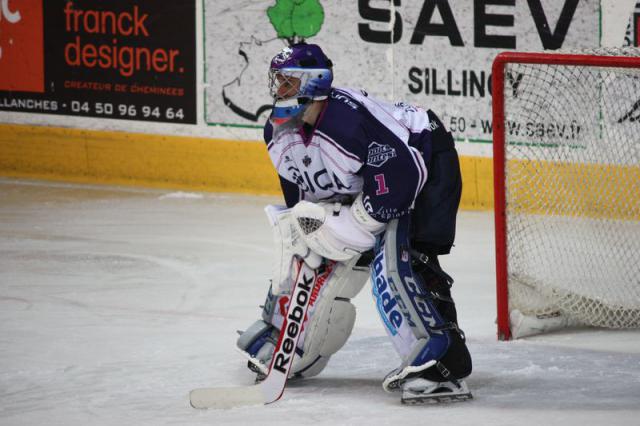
423	391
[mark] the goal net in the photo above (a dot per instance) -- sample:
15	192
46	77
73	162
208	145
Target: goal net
567	190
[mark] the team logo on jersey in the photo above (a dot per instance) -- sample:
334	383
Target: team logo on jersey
379	154
306	161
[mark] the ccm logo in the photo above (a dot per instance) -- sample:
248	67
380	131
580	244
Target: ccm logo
294	325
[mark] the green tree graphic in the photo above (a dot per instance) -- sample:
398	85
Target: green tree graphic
296	20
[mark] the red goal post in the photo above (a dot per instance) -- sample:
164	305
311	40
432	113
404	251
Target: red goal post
503	84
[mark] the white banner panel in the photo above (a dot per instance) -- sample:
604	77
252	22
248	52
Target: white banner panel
434	53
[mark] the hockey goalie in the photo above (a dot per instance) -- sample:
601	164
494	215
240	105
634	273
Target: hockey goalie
372	191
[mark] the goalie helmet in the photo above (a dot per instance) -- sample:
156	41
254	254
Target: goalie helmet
298	74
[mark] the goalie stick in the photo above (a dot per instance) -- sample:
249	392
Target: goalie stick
272	387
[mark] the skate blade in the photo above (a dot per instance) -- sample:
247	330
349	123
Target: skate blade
435	398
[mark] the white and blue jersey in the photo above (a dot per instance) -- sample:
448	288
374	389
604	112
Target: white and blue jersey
359	144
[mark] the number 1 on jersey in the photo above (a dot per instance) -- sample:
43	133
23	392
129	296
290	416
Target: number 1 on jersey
382	186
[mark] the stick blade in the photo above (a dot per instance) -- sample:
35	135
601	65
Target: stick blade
226	397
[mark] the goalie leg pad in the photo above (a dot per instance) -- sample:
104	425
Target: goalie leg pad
410	318
421	335
329	322
328	332
331	318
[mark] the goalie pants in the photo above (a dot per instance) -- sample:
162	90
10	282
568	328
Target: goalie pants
433	220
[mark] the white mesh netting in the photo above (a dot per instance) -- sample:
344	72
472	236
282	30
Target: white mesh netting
573	191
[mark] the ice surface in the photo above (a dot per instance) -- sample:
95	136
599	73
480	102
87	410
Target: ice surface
115	303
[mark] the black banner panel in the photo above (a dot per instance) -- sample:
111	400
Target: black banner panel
121	59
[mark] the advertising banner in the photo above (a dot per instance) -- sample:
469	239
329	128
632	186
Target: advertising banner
632	38
433	53
120	59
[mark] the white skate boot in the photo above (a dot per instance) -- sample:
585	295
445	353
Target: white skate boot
418	390
421	391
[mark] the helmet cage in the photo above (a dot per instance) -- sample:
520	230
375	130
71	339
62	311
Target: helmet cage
311	83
